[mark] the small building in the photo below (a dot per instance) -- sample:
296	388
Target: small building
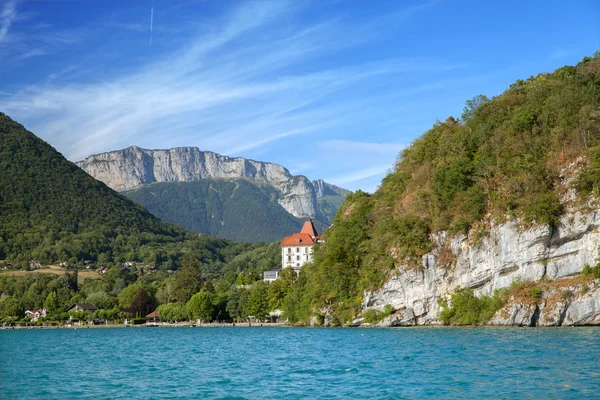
152	317
83	307
296	250
35	263
34	315
272	275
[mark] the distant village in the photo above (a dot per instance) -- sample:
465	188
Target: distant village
296	251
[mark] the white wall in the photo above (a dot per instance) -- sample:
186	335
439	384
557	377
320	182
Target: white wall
300	255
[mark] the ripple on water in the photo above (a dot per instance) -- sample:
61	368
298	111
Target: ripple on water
236	363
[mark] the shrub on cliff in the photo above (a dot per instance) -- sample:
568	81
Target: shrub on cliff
468	309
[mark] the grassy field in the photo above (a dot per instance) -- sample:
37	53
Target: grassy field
55	270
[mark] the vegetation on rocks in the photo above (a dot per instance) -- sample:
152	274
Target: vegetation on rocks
501	160
468	309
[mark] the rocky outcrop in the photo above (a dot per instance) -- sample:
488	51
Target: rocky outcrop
575	305
509	253
324	189
132	167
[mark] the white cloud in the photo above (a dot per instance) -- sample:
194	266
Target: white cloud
359	175
224	90
7	16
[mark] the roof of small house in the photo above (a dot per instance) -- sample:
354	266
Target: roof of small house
153	314
84	306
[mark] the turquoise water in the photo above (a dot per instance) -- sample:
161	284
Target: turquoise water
300	363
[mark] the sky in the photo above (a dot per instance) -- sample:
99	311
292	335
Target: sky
329	89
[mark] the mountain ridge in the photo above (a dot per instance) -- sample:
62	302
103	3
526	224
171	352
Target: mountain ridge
133	167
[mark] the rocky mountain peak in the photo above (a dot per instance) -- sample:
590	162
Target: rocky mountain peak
133	167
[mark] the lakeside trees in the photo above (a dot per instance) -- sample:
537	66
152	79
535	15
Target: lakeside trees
188	294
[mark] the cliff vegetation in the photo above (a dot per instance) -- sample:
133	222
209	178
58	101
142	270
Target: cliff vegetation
503	159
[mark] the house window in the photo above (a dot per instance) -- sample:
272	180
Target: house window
297	258
289	249
297	249
289	258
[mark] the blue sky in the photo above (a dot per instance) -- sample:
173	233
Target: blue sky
329	89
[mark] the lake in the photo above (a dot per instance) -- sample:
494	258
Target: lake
300	363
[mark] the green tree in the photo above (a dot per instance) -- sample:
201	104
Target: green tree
172	312
258	301
142	303
51	303
10	307
200	306
280	288
472	105
127	295
189	279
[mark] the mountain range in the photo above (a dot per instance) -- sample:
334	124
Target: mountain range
234	198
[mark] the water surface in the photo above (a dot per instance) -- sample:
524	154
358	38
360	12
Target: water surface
300	363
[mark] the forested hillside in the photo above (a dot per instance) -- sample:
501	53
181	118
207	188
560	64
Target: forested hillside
235	209
51	210
517	156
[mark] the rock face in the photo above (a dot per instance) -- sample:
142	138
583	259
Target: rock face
509	253
132	167
579	307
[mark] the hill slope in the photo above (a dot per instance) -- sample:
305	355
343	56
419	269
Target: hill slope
233	209
525	157
52	210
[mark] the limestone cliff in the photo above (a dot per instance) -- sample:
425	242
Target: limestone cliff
132	167
510	253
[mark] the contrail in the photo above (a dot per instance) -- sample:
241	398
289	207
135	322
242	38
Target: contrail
151	22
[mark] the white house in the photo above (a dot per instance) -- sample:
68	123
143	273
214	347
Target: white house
36	314
296	250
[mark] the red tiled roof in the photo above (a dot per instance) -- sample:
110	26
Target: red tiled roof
153	314
307	236
309	229
299	239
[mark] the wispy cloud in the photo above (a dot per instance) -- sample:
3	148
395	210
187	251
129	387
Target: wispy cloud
227	89
248	82
359	175
7	16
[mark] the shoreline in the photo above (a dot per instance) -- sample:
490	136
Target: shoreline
219	325
275	325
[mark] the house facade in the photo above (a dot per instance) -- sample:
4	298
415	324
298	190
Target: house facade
296	250
34	315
